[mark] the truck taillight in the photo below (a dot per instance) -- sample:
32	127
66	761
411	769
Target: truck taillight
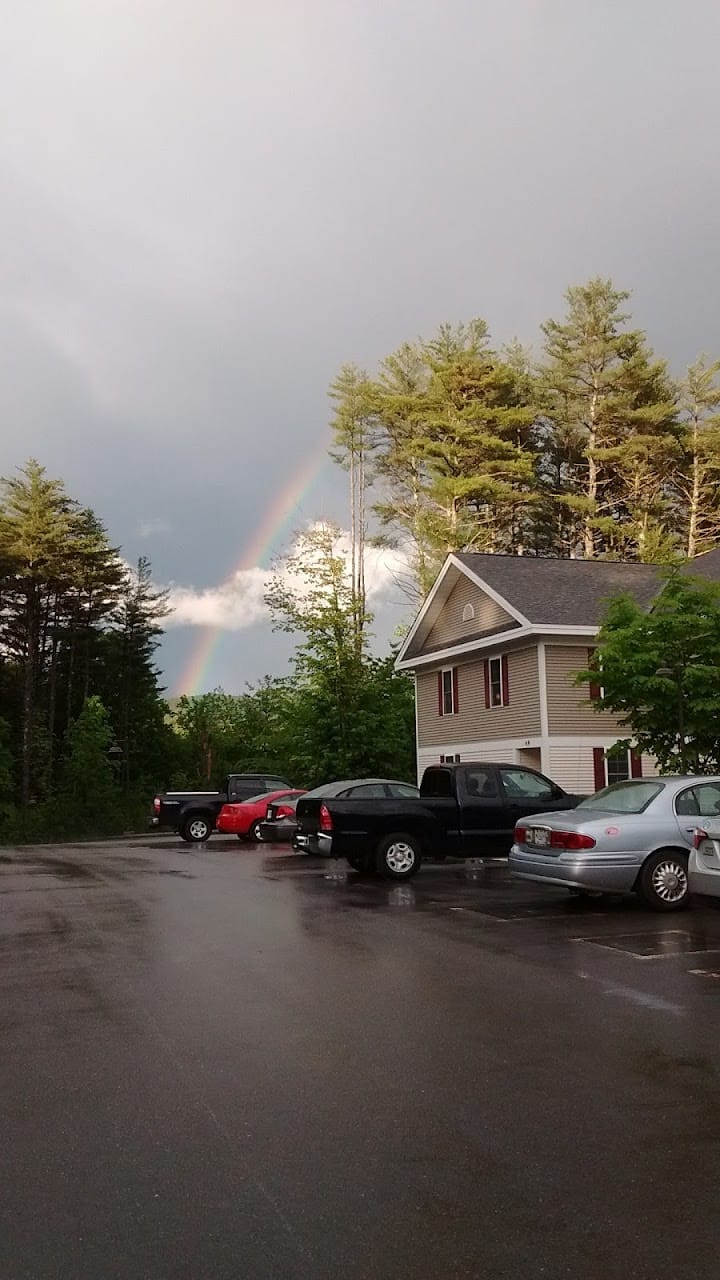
157	804
699	836
325	818
570	840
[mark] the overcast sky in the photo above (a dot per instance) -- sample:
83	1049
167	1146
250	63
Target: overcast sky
208	205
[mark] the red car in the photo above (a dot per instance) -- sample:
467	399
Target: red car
243	820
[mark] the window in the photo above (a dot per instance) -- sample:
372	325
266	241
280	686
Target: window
367	791
594	661
497	682
624	797
436	782
521	784
448	691
616	767
450	759
701	801
480	783
468	613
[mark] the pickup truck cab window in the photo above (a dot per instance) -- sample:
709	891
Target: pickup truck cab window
481	783
437	782
519	784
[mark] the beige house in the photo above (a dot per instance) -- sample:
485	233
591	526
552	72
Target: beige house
494	649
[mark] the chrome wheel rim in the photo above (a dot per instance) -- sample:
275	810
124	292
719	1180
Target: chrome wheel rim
257	833
199	829
400	857
669	881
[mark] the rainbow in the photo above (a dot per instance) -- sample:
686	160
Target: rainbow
275	524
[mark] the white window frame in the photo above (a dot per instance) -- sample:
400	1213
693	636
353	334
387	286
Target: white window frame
628	765
501	702
449	672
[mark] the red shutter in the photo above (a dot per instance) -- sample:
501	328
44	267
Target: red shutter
635	765
599	767
592	664
486	672
441	708
505	680
456	701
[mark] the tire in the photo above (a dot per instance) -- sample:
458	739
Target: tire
663	880
398	856
197	828
255	833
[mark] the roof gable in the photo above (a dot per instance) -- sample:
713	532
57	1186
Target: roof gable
571	593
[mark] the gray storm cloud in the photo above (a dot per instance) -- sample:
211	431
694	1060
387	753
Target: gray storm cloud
206	208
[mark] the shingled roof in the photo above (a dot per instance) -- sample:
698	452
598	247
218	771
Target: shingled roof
566	592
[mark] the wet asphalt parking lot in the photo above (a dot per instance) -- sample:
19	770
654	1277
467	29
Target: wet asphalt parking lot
230	1063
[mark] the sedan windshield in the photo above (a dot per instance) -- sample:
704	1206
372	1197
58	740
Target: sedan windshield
624	797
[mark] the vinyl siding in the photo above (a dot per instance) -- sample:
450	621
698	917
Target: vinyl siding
568	708
521	718
572	767
450	628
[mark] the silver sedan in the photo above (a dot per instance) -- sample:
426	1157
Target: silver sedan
631	837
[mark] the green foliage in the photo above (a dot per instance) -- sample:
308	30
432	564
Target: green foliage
660	673
590	451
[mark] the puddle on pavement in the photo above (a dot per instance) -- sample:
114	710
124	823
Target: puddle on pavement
653	946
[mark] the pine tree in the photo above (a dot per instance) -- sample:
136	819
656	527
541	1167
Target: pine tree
698	479
611	412
36	526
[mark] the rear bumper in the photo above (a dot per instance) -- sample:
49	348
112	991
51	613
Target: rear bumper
277	833
702	880
606	872
320	843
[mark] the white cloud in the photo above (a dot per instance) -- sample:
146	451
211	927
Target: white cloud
153	527
239	602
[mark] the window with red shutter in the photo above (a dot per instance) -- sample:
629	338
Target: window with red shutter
448	691
599	768
497	685
595	688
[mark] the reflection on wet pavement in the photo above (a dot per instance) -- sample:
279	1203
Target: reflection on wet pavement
227	1062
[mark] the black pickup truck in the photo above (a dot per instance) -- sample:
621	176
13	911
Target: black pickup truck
464	810
193	813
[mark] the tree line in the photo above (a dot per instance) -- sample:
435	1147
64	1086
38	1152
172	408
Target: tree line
591	450
86	734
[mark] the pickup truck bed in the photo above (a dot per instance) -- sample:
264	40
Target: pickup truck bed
464	810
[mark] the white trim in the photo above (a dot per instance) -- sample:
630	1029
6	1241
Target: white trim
455	651
452	562
542	689
498	638
494	595
417	731
424	608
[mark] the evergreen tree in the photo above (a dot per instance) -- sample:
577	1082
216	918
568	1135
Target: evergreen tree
698	479
612	427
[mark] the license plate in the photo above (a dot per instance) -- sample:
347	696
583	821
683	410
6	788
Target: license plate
540	836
